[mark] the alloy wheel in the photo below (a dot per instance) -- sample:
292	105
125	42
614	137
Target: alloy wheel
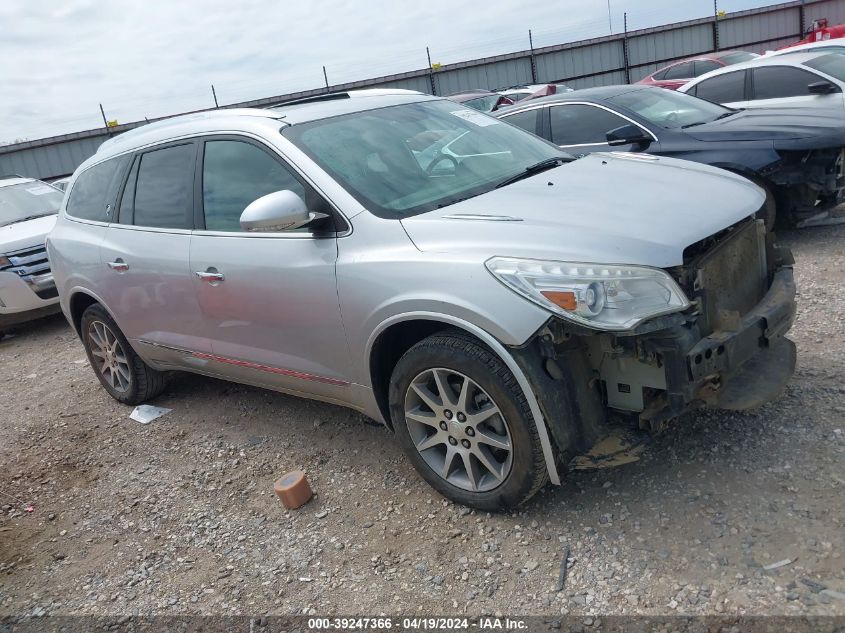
458	429
109	356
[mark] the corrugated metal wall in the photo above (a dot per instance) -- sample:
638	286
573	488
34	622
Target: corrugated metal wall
583	64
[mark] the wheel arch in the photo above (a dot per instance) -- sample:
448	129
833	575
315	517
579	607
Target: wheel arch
79	301
398	334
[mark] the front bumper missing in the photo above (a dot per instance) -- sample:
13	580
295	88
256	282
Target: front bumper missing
738	368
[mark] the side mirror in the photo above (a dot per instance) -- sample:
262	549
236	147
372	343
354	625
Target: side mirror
628	135
822	88
278	211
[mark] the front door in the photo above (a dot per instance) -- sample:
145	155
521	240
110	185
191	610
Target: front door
150	288
269	300
581	128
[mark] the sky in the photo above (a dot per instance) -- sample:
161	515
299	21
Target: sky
59	59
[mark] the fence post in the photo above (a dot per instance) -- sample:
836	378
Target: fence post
802	20
105	122
715	25
430	72
214	94
326	77
625	49
533	59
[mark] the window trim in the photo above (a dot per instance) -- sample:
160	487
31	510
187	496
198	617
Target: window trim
603	107
199	211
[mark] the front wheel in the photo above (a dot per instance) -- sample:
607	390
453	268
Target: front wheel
465	424
123	374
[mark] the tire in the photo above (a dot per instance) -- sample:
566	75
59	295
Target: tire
482	473
123	374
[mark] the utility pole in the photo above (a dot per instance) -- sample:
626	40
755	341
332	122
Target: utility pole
533	60
326	77
430	72
715	25
214	94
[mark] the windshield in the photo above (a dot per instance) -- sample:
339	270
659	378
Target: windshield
27	200
832	64
670	109
407	159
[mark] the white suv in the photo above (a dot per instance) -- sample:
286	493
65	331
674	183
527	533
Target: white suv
28	210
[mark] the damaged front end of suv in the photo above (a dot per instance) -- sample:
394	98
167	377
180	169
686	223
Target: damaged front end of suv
723	347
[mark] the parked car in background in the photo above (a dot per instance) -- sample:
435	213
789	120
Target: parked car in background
796	155
834	46
28	209
481	100
803	80
820	31
676	75
61	184
531	91
492	305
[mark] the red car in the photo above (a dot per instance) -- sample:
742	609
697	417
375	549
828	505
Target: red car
676	75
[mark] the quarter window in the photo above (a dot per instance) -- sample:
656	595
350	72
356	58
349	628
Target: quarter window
779	82
164	187
93	190
234	175
582	124
726	88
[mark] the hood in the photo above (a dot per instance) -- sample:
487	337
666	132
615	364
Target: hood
613	208
21	235
775	124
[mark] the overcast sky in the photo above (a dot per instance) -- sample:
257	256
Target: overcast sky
60	58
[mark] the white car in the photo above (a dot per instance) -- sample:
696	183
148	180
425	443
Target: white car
827	46
806	80
28	211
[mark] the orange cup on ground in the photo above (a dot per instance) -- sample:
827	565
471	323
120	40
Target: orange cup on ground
293	489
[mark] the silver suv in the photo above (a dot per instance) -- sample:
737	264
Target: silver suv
493	301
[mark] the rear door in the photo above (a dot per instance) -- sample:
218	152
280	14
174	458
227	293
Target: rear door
148	283
728	89
269	300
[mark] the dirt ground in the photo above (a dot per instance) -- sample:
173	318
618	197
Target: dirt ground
179	516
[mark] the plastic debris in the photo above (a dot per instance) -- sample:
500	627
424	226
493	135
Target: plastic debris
146	413
780	563
561	579
293	489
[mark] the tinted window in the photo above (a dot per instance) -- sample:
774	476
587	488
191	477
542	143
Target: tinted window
704	66
679	71
582	124
782	81
736	58
833	65
659	75
91	191
236	174
526	120
163	192
725	88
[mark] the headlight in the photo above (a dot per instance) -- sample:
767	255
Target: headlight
598	296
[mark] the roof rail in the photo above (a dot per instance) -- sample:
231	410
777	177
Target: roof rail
328	96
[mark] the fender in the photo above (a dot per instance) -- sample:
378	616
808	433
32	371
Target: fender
504	356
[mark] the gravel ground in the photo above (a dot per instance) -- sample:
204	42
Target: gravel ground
179	516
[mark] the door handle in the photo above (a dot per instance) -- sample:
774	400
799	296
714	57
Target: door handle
210	276
119	265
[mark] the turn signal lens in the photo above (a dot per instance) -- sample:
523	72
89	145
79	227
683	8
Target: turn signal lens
565	300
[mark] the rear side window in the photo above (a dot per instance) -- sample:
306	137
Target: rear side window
582	124
702	66
163	189
93	192
526	120
726	88
679	71
234	175
778	82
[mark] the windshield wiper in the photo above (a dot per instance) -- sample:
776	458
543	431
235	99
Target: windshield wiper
536	168
724	115
29	217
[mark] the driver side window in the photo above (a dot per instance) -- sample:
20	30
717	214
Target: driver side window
579	124
236	173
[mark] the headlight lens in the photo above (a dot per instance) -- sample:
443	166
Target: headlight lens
598	296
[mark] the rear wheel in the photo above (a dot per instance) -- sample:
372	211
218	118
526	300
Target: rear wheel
123	374
464	423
